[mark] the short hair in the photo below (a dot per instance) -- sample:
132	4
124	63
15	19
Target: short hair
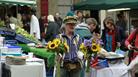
79	12
91	21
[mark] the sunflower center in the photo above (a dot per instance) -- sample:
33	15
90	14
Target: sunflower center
53	45
94	47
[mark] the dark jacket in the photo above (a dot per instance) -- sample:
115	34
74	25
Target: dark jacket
51	31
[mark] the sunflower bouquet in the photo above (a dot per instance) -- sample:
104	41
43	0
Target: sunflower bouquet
90	48
58	47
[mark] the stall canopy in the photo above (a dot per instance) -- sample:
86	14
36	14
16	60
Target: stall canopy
106	4
90	5
18	2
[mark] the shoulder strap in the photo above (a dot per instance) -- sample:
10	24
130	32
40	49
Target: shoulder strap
61	38
77	39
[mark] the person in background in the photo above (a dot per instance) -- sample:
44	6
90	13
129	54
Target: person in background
93	25
111	35
79	15
7	21
19	20
34	25
58	20
52	28
1	22
26	22
132	44
70	58
85	30
122	24
42	27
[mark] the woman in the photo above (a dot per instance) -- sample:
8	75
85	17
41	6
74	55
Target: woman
71	64
111	35
132	44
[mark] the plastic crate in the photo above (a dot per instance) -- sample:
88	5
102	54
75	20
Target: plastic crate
11	42
14	48
11	50
23	39
7	31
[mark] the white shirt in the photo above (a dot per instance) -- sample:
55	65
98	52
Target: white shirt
34	26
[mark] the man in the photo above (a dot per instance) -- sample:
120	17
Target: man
71	64
58	20
86	30
34	25
42	27
52	28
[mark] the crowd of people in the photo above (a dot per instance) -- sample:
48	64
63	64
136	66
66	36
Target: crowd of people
114	35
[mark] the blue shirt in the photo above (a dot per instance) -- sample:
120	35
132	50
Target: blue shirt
73	44
108	46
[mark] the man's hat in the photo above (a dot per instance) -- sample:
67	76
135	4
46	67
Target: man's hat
70	18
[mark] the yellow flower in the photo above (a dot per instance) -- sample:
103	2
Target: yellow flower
93	40
47	46
99	48
95	47
66	47
52	45
57	41
82	46
83	49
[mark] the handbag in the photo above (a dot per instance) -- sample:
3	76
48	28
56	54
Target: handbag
72	66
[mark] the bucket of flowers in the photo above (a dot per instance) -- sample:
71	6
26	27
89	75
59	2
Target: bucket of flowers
90	48
59	48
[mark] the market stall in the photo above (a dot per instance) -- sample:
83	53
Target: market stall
20	2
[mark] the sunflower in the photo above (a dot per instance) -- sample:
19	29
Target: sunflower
83	49
95	47
52	45
66	47
99	48
47	46
57	41
82	46
93	40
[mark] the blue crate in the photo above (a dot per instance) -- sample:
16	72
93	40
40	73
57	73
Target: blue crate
23	39
11	42
6	31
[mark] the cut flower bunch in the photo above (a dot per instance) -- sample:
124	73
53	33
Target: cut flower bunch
90	48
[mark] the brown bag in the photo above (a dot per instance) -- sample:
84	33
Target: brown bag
72	66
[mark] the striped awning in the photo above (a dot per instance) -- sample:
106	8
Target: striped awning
18	2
